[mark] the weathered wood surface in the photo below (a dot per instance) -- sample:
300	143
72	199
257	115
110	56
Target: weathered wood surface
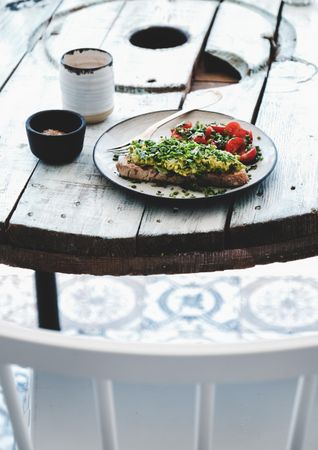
241	37
285	206
20	27
71	219
162	227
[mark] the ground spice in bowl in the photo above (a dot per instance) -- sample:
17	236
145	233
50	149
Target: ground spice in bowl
50	132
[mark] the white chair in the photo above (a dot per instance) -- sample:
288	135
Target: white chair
94	394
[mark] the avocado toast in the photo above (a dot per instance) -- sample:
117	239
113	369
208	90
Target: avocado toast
182	163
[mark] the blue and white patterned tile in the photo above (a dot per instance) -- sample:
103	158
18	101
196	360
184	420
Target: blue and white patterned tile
182	308
278	307
94	305
153	309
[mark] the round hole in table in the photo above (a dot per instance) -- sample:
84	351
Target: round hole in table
158	37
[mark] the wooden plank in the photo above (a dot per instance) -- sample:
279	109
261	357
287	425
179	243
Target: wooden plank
72	208
243	43
39	89
20	27
176	263
161	69
286	205
197	226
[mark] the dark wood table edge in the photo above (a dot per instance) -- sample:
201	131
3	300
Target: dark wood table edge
236	258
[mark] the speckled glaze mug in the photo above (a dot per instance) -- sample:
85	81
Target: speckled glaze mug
87	83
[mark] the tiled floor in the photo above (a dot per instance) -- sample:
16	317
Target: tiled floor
264	302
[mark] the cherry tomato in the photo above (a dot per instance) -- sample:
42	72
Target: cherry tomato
218	128
200	139
176	135
187	124
249	156
243	133
235	145
208	131
231	128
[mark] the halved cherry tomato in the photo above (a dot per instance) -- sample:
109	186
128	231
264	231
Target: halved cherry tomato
208	131
243	133
218	128
249	156
187	124
176	135
231	128
235	145
200	139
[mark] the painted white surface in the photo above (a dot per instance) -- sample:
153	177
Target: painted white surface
153	417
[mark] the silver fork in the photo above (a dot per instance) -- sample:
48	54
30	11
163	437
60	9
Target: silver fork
213	97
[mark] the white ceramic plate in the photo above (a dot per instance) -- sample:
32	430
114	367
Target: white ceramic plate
124	131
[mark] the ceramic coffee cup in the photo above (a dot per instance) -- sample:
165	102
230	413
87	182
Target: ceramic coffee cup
87	83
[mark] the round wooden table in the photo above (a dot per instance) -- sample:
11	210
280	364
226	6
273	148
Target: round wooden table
71	219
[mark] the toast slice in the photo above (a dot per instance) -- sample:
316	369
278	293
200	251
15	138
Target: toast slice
128	169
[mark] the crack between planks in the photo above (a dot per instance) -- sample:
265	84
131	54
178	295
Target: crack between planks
113	22
139	226
204	42
7	220
271	59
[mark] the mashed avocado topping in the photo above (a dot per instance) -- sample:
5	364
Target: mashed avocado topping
183	157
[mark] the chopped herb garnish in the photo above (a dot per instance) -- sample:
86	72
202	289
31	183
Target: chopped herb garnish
183	157
259	156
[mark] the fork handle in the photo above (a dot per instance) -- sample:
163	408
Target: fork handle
146	134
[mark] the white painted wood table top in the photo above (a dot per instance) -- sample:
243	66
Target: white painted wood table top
71	219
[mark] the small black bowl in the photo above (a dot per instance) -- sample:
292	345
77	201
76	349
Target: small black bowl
56	149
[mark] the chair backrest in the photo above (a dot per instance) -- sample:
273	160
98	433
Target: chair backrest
202	364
